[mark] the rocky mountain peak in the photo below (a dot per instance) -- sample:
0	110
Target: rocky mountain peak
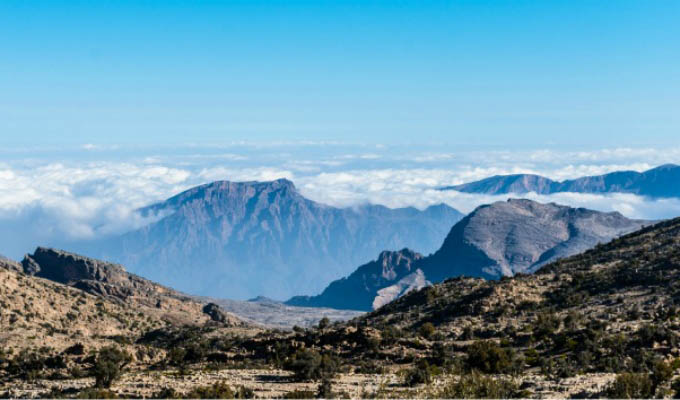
395	263
250	238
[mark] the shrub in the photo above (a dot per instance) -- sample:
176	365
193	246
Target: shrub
299	394
96	394
76	350
166	393
310	365
427	330
324	323
661	372
488	357
325	390
220	390
109	366
478	386
419	374
631	386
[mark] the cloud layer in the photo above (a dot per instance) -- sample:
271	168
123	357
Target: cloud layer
52	199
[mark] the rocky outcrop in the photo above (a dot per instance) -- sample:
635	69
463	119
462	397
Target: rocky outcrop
501	239
251	238
69	268
215	313
114	283
660	182
361	289
10	264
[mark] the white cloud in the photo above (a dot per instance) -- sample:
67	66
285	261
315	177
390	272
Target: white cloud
42	200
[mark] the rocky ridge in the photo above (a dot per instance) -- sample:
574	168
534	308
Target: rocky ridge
656	183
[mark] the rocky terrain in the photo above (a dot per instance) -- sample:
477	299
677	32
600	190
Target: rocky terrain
604	323
658	182
112	282
9	264
253	238
501	239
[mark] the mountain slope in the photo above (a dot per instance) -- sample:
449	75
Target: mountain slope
639	271
9	264
501	239
62	299
111	282
658	182
253	238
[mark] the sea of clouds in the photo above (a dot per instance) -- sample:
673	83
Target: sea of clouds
55	196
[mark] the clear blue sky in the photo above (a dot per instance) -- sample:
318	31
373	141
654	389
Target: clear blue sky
559	73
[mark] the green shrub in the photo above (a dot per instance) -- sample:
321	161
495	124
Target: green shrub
324	323
427	330
219	390
631	386
299	394
109	366
419	374
310	365
486	356
478	386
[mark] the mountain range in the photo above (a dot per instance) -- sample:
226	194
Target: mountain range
501	239
660	182
245	239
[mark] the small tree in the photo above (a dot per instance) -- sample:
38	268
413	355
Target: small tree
486	356
631	386
324	323
109	366
310	365
427	330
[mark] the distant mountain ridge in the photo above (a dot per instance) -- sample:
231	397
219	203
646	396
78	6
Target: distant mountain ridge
243	239
659	182
500	239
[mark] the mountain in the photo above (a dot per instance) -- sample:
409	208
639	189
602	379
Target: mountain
55	299
611	310
112	282
361	289
658	182
501	239
251	238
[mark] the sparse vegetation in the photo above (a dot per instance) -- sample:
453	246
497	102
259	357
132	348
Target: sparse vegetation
109	366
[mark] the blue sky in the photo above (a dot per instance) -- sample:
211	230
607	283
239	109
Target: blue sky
465	73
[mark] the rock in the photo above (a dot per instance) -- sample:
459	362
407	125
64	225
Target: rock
215	313
10	264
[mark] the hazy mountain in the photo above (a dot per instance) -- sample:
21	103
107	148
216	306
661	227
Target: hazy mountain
240	240
658	182
495	240
359	291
